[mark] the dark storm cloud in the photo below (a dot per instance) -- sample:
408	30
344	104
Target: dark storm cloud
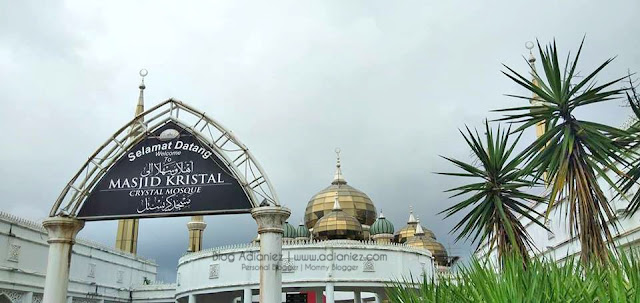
388	83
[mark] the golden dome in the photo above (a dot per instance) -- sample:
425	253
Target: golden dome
420	240
337	225
409	230
352	202
436	248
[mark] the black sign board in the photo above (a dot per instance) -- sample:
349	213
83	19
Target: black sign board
296	298
169	173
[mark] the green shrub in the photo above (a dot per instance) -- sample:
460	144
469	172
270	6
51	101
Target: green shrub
541	281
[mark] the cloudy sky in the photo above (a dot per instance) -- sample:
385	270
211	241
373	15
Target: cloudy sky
387	82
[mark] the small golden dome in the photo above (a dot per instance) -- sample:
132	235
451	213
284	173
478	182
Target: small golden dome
436	248
337	225
352	202
409	230
420	240
438	251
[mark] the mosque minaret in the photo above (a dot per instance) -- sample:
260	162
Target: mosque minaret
127	236
535	100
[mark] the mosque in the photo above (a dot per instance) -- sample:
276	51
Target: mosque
343	251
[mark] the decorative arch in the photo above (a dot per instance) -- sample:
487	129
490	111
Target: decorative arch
235	155
10	296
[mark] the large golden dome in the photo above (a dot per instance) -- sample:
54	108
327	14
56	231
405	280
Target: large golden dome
352	202
404	234
337	225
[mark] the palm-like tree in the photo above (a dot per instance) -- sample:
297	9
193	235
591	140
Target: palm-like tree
629	182
572	152
496	198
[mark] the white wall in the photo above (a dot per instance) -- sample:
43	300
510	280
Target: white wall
212	271
23	262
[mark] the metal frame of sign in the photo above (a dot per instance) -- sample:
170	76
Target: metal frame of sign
222	142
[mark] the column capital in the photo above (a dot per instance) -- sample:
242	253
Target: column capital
196	225
62	229
270	218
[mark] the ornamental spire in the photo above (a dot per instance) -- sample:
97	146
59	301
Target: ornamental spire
336	203
412	219
140	107
338	178
381	215
138	128
419	230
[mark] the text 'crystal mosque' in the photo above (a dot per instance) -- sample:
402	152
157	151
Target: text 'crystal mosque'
344	250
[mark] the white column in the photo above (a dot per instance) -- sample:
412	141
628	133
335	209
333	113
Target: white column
27	297
69	299
192	299
62	233
270	220
319	294
329	291
247	295
356	297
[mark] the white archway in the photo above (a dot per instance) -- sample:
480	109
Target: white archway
64	223
227	147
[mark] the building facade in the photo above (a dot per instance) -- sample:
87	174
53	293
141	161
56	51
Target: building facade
98	273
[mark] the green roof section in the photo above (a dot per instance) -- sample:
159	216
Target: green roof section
289	231
303	231
381	226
